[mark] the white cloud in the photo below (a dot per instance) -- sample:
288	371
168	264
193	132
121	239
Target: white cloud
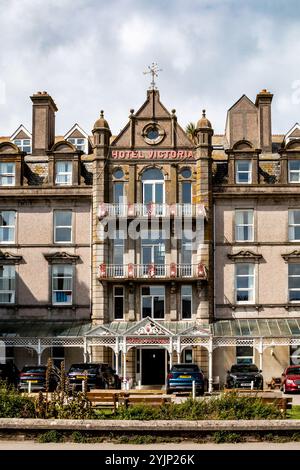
91	54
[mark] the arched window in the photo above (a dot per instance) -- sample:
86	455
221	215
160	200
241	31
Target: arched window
153	190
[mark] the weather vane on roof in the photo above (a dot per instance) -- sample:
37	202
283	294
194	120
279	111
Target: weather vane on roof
153	69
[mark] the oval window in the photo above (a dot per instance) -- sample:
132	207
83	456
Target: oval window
119	173
186	173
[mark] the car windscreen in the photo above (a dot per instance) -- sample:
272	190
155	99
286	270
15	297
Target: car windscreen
34	370
244	368
83	367
185	368
293	371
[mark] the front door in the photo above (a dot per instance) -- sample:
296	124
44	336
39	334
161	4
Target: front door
153	366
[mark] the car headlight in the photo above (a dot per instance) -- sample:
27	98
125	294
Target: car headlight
289	382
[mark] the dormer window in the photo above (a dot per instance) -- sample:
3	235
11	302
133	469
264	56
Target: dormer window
243	174
7	174
23	144
294	171
63	173
79	143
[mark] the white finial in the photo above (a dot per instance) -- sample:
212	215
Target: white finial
153	69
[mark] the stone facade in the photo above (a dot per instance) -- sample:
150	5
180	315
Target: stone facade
142	303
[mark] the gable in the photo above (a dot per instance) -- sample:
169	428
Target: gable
21	133
152	112
242	122
293	133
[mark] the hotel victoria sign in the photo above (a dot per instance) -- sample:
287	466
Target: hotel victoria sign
152	154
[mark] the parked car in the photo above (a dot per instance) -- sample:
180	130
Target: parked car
290	379
36	376
9	373
97	376
244	376
181	377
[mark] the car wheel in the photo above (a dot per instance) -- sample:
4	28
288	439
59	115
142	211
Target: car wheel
169	391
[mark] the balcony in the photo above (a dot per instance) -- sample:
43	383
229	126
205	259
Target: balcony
150	210
138	272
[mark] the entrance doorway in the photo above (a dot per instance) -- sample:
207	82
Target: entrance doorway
153	366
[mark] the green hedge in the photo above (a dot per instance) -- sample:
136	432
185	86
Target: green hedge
227	406
15	405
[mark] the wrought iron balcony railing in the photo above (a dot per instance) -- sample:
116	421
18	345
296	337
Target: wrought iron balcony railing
150	210
152	271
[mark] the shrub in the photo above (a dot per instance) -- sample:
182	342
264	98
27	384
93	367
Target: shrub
13	404
227	406
50	436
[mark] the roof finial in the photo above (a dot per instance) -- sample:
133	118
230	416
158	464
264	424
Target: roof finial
153	69
102	113
203	113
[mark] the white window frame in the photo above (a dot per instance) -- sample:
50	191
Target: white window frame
182	296
56	227
251	225
6	174
74	141
53	277
294	353
290	172
114	304
22	145
238	172
12	280
292	288
152	302
245	302
10	227
292	226
68	175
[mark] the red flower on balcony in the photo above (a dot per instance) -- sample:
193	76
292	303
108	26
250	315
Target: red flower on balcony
102	270
130	270
173	269
151	270
102	210
201	271
150	208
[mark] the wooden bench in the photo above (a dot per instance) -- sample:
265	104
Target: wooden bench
103	399
143	400
267	396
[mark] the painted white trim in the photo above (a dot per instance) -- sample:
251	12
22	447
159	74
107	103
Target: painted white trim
287	137
21	128
85	135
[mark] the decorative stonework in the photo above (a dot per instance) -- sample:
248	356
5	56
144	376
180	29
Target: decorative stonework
294	255
245	255
149	329
10	258
61	257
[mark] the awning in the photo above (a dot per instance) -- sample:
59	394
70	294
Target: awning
43	329
261	327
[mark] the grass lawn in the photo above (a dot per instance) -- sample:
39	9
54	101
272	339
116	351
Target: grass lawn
294	413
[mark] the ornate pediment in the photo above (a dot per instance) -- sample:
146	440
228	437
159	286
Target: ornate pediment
100	330
10	258
61	257
245	255
294	255
148	327
195	330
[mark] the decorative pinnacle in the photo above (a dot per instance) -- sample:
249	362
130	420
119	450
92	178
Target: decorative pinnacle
153	70
102	113
203	113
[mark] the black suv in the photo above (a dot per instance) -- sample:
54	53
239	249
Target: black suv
34	378
96	375
9	373
244	376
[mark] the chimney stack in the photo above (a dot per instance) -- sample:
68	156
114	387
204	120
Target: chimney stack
263	103
43	122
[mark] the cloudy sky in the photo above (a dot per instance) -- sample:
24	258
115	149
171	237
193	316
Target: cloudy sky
90	55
